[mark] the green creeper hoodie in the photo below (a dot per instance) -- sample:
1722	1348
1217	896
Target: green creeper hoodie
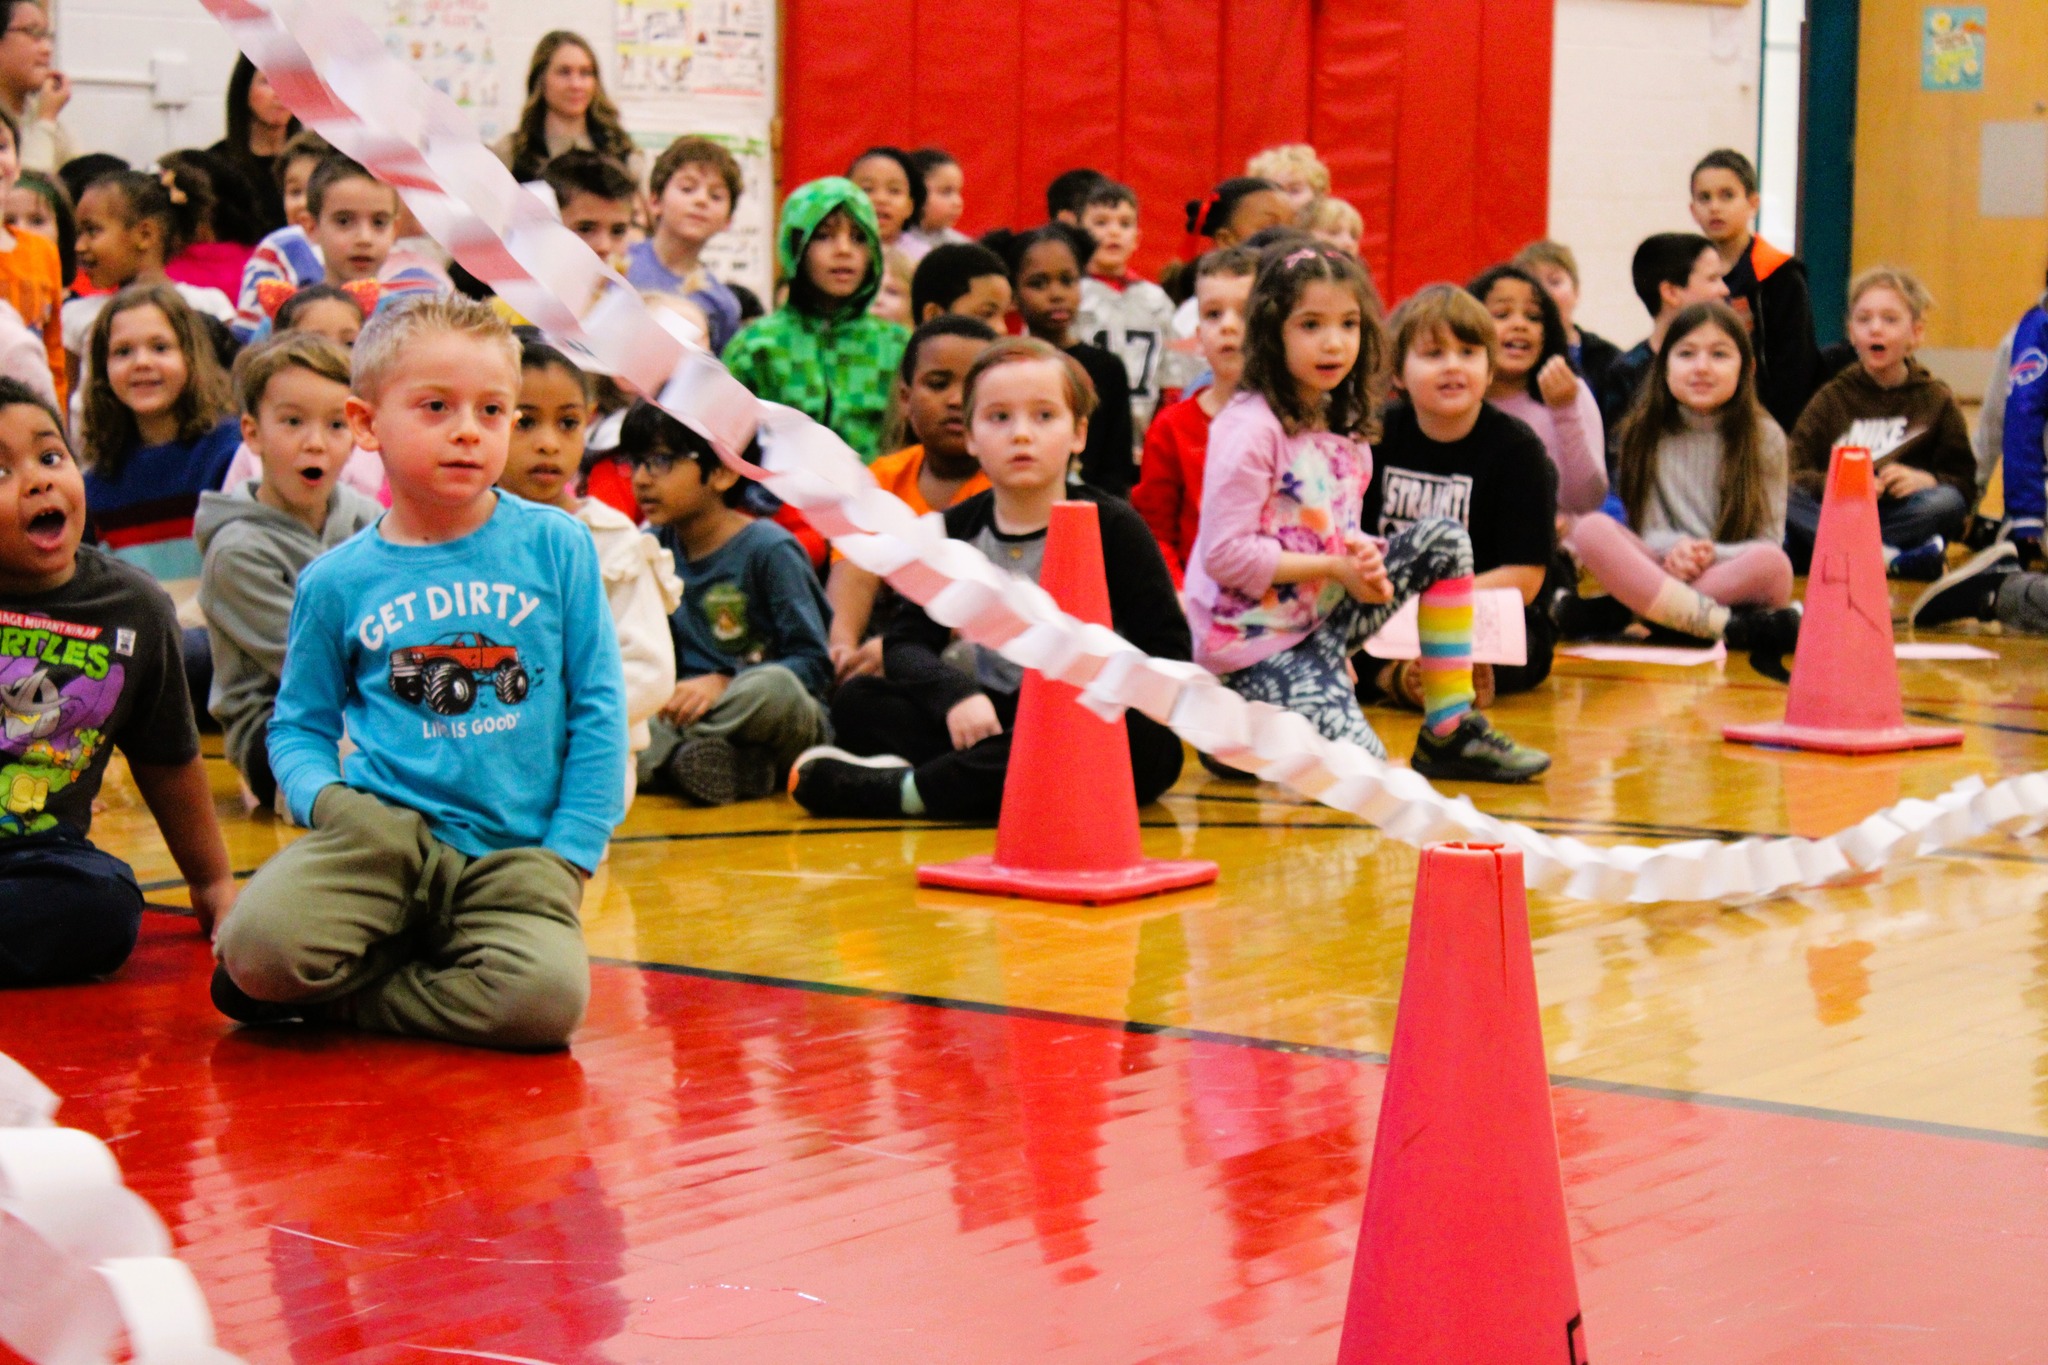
837	367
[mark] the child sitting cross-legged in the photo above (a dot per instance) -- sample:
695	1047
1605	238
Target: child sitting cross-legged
258	535
88	664
640	583
1444	451
1703	482
751	659
1889	404
465	645
1282	585
928	739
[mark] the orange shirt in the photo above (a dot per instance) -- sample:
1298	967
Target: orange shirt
898	473
32	279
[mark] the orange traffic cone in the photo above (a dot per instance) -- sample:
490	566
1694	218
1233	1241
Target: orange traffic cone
1069	828
1464	1256
1845	677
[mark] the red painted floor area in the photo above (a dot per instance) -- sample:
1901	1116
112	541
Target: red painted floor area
727	1172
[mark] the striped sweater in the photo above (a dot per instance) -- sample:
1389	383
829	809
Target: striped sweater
288	257
145	515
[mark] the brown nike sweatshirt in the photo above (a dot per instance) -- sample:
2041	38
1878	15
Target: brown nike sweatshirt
1917	423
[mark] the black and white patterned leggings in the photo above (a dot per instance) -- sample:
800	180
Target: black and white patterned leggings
1311	678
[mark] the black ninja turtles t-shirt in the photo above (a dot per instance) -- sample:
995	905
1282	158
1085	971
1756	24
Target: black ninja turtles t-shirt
93	664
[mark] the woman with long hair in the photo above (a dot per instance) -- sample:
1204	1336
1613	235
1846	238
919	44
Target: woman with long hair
259	124
566	109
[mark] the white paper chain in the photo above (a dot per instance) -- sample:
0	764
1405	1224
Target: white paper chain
83	1260
340	81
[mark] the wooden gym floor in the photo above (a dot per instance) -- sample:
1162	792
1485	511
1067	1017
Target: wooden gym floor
818	1115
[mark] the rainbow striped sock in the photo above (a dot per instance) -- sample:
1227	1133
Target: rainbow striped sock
1444	619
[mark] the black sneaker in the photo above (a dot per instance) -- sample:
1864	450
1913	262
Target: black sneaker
1769	634
1223	770
244	1008
1971	592
1764	630
839	785
1664	637
1589	618
1475	752
716	772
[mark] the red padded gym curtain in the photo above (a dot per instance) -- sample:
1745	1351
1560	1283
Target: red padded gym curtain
1433	115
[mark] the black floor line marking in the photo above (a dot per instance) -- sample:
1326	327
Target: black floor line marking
1587	1083
2004	726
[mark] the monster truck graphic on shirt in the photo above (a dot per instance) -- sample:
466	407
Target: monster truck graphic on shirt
49	736
444	673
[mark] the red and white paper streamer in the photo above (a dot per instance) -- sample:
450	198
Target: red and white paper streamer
341	81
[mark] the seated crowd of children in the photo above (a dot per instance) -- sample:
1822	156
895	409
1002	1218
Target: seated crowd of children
453	602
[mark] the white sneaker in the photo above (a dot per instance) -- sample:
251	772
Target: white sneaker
834	751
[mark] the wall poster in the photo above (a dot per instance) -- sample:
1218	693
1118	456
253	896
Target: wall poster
451	44
1952	48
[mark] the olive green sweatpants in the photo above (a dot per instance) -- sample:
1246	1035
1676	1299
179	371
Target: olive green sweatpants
387	928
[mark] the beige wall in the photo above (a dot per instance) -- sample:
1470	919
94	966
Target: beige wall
1640	90
1917	168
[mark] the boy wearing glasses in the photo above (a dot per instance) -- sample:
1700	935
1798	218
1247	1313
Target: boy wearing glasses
750	636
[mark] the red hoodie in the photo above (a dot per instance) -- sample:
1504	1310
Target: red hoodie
1169	491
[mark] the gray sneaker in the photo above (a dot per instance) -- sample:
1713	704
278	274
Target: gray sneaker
1970	592
716	772
1475	752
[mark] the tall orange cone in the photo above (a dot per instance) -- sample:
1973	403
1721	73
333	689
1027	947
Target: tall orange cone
1845	676
1465	1256
1069	828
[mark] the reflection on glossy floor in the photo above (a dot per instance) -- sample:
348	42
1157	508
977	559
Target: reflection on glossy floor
818	1115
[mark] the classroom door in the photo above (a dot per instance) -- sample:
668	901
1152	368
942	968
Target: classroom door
1952	157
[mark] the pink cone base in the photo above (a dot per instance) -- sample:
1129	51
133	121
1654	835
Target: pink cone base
1146	877
1779	735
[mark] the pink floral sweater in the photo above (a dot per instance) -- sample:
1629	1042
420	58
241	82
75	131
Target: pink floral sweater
1265	493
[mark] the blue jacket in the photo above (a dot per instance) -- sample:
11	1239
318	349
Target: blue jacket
2026	427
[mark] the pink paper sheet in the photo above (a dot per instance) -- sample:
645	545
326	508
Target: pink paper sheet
1671	656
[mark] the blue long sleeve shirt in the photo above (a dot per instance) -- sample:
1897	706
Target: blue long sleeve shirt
2026	423
752	601
479	679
